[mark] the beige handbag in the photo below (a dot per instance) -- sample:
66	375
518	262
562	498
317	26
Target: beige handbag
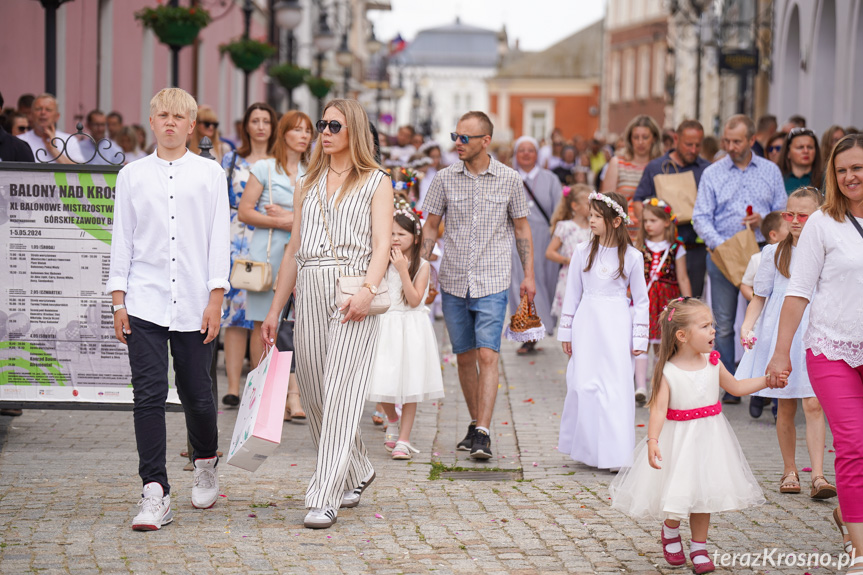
678	189
733	255
346	286
251	275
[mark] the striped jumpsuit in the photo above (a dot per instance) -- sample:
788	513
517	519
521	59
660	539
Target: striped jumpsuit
334	360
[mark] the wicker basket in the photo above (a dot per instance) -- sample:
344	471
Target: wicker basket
525	325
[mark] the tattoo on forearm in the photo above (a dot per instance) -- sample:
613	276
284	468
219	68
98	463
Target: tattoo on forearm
522	246
428	246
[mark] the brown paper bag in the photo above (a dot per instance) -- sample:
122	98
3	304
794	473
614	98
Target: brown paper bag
733	255
678	190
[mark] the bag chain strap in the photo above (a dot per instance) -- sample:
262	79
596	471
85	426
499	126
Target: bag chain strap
327	227
270	194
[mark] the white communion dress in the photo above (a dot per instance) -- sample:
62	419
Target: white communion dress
407	366
703	467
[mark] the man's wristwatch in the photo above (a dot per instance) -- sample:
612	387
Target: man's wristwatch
372	288
118	307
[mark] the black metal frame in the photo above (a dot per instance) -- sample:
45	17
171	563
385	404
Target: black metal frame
80	132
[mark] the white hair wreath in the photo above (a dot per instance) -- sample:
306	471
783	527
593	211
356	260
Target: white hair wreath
611	204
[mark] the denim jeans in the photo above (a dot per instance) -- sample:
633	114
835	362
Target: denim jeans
723	297
474	322
148	358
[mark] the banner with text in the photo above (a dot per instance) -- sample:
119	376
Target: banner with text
56	328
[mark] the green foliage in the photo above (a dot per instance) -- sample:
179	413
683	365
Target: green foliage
289	76
248	54
163	15
319	87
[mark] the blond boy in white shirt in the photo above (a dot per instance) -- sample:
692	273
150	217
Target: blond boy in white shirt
169	271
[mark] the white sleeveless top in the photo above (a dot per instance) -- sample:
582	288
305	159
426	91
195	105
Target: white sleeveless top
350	225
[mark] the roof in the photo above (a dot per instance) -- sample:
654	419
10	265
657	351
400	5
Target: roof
578	56
457	44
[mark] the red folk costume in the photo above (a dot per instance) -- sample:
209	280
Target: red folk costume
664	287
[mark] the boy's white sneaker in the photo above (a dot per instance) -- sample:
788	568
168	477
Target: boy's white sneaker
205	490
155	509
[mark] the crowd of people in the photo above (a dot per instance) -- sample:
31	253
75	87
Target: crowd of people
622	250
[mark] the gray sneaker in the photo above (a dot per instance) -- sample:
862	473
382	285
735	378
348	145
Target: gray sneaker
155	509
321	517
205	490
352	498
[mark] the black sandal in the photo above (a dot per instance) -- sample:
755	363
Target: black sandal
231	400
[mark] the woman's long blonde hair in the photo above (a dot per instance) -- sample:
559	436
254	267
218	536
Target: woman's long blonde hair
676	316
563	211
360	146
782	257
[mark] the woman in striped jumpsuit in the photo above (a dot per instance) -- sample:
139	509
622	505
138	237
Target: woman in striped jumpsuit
346	193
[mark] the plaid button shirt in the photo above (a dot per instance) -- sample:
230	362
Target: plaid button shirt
478	236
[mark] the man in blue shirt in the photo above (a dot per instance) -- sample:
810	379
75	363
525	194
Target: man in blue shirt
728	187
683	158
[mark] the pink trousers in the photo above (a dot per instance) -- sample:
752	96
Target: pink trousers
839	388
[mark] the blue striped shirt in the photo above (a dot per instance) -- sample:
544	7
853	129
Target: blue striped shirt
724	192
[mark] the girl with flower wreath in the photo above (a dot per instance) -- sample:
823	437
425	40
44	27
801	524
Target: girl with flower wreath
664	272
601	335
691	464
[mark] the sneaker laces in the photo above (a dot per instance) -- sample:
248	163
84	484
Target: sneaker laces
205	478
150	504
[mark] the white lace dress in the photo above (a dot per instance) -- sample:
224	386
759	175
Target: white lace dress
703	467
407	365
829	260
597	426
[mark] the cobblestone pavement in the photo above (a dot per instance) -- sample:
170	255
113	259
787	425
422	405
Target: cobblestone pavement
68	485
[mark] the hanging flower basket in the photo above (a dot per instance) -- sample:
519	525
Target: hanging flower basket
319	87
248	54
289	76
174	25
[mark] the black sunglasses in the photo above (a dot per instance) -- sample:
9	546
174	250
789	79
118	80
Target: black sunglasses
334	126
23	129
772	149
208	124
463	138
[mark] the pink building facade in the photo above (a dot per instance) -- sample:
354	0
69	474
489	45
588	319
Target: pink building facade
106	60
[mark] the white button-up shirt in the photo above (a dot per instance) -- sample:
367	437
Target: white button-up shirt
73	148
171	239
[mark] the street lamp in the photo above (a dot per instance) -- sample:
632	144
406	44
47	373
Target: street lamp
324	39
289	14
345	59
417	101
248	8
51	7
373	45
698	8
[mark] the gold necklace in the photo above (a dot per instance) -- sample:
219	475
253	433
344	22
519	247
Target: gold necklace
338	173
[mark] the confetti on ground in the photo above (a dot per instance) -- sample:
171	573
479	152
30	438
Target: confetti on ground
640	425
535	464
528	400
252	515
505	423
378	516
807	469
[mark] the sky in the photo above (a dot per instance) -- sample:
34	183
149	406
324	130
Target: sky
537	24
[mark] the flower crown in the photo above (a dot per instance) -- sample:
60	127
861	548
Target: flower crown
611	204
657	203
403	208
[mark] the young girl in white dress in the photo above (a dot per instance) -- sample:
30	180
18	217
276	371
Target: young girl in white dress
601	335
568	229
691	464
771	281
407	366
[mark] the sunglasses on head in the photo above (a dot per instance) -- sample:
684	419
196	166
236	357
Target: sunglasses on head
208	124
794	132
334	126
789	216
463	138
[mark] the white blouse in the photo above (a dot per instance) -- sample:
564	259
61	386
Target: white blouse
829	260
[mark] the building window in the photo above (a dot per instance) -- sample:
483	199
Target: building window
627	80
538	118
642	89
614	82
659	52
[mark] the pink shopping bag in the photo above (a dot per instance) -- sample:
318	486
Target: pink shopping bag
258	430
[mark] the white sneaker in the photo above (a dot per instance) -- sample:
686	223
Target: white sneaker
320	517
640	395
352	498
155	509
205	490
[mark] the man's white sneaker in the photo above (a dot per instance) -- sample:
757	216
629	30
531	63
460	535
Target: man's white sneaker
205	490
155	509
320	517
352	498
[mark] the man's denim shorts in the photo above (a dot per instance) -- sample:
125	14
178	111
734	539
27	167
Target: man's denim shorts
474	322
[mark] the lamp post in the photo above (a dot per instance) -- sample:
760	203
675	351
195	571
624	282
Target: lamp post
698	8
51	7
248	8
324	40
345	59
289	15
417	101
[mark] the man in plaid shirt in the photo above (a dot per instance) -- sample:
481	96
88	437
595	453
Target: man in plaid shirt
485	206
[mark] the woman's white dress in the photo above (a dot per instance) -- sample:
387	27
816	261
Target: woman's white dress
703	467
597	426
407	366
771	284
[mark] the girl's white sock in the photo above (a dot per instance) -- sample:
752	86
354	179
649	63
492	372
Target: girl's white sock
698	546
670	533
641	363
